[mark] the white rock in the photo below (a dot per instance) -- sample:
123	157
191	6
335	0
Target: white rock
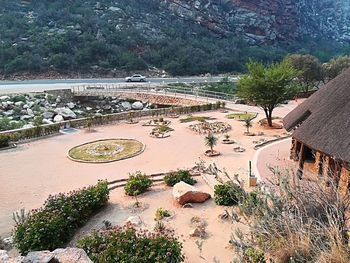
28	126
71	255
58	118
137	105
4	98
30	112
19	103
25	106
30	104
66	113
7	113
135	220
126	105
48	114
3	256
40	256
71	105
10	102
46	121
88	108
25	117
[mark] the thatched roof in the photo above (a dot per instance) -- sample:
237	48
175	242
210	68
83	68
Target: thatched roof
324	119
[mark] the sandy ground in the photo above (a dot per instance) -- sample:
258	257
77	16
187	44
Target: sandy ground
215	244
32	171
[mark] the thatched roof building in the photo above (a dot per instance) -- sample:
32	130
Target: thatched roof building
322	122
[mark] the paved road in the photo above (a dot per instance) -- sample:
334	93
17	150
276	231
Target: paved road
46	84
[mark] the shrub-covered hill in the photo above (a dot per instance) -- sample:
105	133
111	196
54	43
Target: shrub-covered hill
182	37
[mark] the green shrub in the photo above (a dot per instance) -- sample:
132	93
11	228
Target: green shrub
161	213
126	244
178	176
252	204
4	141
52	225
137	183
228	194
254	255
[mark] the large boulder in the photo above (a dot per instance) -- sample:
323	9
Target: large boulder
126	105
30	112
60	255
4	98
137	105
3	256
71	255
28	126
8	113
47	121
58	118
71	105
39	256
185	193
48	114
66	113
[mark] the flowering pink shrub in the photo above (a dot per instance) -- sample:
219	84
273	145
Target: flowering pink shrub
52	225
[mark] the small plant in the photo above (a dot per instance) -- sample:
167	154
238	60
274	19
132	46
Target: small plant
251	204
159	227
161	213
254	255
211	141
137	183
228	194
178	176
107	224
227	136
4	141
131	115
248	124
20	217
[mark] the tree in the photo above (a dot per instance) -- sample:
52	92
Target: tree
311	71
211	141
268	86
336	66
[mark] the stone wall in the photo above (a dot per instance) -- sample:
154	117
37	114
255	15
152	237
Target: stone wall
67	255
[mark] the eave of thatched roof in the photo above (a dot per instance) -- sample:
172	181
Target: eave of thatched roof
324	119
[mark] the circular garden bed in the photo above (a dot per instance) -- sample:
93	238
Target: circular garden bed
104	151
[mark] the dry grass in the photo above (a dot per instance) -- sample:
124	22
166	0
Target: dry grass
241	116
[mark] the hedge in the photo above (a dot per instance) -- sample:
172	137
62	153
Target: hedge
52	225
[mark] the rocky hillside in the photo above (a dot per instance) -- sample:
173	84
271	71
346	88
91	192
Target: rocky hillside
183	37
271	21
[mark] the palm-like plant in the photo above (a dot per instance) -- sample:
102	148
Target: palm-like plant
211	141
248	124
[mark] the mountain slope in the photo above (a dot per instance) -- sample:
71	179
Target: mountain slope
183	37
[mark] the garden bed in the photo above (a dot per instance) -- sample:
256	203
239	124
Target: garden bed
210	127
104	151
242	116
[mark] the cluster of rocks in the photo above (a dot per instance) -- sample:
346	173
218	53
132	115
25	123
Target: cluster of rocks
28	110
210	127
67	255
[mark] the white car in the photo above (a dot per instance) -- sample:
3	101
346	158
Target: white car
136	78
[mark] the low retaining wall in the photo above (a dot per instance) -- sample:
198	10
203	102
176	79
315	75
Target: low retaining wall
48	129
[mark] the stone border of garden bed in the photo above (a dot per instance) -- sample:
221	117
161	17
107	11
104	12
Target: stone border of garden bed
11	146
91	162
